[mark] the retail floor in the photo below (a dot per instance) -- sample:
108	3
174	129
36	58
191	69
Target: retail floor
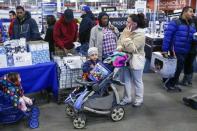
161	111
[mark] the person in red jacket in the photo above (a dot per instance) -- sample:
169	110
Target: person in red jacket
12	16
65	33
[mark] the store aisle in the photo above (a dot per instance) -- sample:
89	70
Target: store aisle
161	111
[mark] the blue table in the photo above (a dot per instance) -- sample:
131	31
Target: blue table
35	78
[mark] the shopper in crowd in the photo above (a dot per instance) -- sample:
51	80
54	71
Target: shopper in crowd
25	26
104	36
65	33
132	41
49	33
11	86
12	16
88	21
188	65
178	37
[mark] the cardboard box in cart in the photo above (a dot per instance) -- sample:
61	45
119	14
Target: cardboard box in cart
166	67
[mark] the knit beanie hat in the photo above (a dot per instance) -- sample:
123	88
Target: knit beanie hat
86	8
92	50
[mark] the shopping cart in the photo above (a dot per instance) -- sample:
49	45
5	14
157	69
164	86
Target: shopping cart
9	114
69	68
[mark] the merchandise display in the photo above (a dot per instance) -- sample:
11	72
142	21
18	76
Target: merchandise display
20	53
153	43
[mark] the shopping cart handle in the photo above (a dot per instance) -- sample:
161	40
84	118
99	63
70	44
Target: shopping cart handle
84	82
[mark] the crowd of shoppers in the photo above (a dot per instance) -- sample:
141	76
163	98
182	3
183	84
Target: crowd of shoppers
61	35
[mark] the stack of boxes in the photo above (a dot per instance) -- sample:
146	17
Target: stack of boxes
39	51
16	53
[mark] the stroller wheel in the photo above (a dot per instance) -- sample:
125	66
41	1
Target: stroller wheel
33	123
36	110
69	111
117	113
79	121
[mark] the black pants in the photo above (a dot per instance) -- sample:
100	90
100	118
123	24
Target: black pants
188	65
180	65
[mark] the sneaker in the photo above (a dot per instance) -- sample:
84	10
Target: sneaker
137	104
124	102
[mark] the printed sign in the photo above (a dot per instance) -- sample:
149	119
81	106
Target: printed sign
140	7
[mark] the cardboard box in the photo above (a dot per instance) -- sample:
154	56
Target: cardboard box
22	59
3	61
2	50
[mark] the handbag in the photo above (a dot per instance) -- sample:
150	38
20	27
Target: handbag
137	61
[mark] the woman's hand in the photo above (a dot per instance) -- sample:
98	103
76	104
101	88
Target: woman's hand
127	32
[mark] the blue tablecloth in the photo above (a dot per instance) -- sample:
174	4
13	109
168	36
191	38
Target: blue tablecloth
35	78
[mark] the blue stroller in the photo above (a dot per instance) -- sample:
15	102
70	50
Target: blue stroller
10	114
95	100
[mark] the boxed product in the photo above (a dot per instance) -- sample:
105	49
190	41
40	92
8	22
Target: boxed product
10	60
40	51
2	50
3	61
22	59
164	66
100	72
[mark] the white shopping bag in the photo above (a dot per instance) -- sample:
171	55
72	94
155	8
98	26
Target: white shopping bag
164	66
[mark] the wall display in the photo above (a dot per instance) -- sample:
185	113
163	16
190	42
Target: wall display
140	7
120	23
172	4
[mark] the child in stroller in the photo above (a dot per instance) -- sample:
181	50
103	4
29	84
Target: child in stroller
13	102
91	100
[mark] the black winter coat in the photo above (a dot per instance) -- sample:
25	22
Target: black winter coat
27	28
49	38
88	21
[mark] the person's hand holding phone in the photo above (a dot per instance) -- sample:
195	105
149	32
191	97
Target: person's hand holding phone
128	30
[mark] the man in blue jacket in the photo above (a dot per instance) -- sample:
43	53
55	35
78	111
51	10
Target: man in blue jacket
25	26
178	38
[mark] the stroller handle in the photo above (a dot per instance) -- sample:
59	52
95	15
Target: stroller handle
83	82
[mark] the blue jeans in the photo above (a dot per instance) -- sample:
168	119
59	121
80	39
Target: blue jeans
83	49
133	79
